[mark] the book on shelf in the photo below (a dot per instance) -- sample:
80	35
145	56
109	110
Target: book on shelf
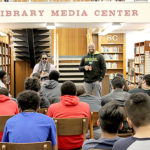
108	49
147	62
142	49
137	50
111	56
111	65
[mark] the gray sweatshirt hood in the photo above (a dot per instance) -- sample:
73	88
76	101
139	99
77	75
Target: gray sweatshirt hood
50	84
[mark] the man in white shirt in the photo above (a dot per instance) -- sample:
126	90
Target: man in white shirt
43	67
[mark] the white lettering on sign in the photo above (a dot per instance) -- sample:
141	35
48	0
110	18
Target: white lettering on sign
112	38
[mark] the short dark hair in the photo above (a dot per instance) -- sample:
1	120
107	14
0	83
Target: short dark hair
138	109
54	75
2	73
36	75
119	75
111	116
80	90
117	82
32	84
4	91
68	88
28	100
147	79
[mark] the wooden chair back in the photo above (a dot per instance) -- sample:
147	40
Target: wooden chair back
71	126
43	111
3	120
93	122
26	146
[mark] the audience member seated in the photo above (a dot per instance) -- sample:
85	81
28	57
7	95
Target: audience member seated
7	106
145	87
36	75
110	121
117	93
126	88
94	104
3	78
138	110
93	101
69	107
51	87
29	126
34	84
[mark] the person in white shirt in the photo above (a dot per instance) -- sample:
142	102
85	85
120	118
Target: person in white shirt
43	67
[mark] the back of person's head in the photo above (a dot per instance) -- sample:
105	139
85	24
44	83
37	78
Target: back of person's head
2	73
138	109
119	75
126	87
4	91
80	90
68	88
111	116
28	100
54	75
147	79
117	82
32	84
36	75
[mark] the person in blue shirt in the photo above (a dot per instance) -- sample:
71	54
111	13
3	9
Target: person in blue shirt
110	121
29	126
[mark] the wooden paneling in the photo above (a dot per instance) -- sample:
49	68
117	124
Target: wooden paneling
22	70
95	41
105	85
72	42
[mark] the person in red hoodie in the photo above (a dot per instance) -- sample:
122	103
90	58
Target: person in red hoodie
7	106
69	107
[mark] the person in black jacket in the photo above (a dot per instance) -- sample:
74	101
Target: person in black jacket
94	68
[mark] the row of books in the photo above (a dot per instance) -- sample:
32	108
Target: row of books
147	62
139	50
139	59
111	65
2	50
111	57
105	49
131	79
3	61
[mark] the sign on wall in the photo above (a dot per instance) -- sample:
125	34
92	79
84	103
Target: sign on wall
75	12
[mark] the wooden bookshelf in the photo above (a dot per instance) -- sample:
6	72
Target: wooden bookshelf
141	60
130	71
5	61
113	48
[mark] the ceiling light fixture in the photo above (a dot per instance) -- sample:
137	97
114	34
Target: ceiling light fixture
50	26
3	34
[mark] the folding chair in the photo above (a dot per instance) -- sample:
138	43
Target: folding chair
3	120
93	122
26	146
43	111
71	126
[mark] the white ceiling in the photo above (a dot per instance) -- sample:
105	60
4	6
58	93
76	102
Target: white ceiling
127	27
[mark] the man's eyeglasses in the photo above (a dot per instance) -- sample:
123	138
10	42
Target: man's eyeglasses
44	58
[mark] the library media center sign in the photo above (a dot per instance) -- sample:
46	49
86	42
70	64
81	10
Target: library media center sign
74	12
